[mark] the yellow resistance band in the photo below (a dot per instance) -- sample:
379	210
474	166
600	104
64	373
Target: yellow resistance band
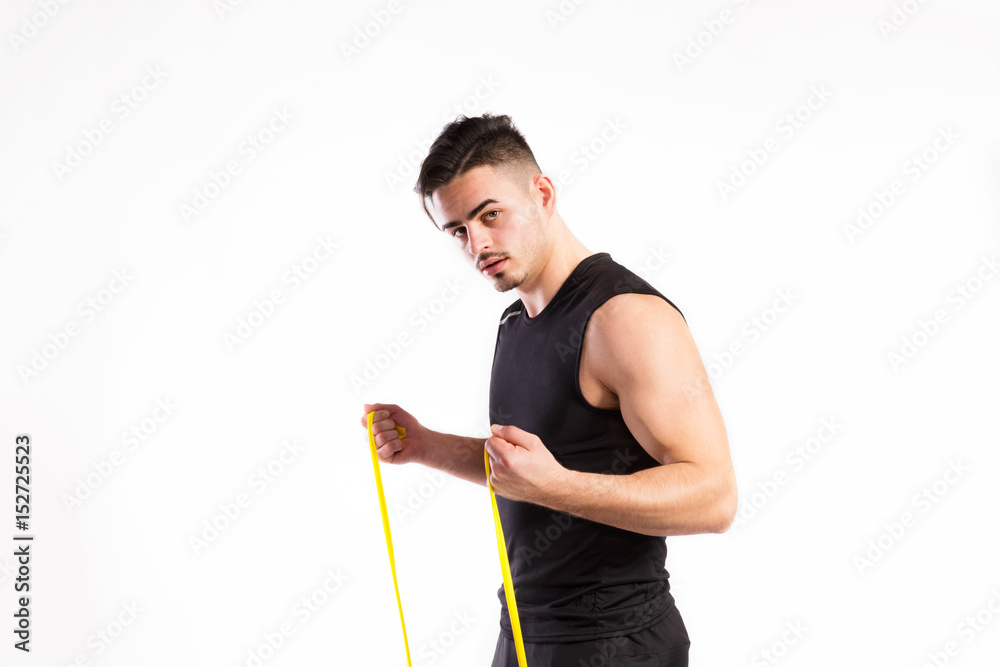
508	585
385	525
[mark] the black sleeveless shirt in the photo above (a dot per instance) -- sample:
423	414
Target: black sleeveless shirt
574	579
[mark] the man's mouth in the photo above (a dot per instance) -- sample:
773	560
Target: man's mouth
491	266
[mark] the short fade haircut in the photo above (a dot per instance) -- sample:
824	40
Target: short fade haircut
467	143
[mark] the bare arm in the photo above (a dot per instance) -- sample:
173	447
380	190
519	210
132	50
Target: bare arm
673	499
456	455
641	350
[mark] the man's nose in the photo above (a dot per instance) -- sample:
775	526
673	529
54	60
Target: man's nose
479	241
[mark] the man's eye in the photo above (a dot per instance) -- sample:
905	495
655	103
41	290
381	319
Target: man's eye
491	213
456	232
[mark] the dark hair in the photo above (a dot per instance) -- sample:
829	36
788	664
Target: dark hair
467	143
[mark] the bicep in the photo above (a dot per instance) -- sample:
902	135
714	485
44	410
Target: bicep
645	354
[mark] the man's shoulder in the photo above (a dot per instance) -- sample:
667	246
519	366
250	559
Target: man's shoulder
633	335
614	288
625	309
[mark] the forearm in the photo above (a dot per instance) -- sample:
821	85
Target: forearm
675	499
457	455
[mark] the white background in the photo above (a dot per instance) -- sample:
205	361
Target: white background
894	76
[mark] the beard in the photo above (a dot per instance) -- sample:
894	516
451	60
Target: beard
504	280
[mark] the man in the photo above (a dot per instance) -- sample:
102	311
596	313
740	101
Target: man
606	435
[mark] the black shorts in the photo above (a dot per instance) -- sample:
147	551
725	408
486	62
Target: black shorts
663	644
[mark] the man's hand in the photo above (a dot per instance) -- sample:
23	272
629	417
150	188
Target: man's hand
389	445
521	466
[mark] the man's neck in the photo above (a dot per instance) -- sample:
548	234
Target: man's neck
566	255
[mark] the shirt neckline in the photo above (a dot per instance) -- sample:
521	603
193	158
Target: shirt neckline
571	278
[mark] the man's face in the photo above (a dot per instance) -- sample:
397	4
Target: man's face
490	218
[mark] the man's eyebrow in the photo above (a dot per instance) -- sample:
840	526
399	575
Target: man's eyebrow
473	213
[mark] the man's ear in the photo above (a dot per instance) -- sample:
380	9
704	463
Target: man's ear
545	191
